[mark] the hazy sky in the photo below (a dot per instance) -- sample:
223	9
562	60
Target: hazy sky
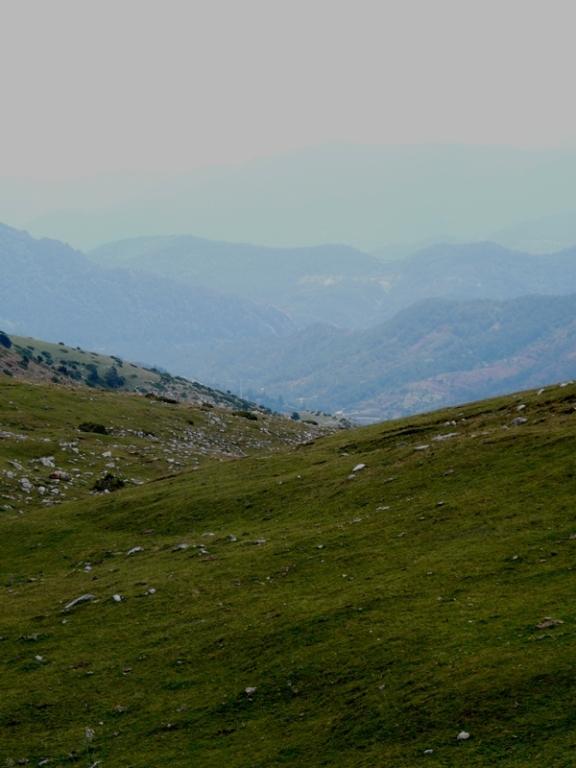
99	86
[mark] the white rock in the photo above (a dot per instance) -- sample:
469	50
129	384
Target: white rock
26	485
250	690
359	467
79	601
445	436
463	736
135	550
117	598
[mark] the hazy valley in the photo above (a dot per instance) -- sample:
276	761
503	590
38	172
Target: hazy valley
326	328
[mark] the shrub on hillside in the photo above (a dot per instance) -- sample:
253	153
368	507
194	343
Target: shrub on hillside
246	415
112	379
108	483
5	340
93	378
90	426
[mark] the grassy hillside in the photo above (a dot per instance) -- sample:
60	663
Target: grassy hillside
57	443
356	602
33	360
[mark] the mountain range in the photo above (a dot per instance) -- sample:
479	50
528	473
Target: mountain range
437	352
52	291
324	328
343	286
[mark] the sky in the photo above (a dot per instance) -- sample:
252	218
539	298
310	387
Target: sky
92	87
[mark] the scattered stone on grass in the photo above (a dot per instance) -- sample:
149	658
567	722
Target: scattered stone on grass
26	485
445	436
59	474
87	598
549	623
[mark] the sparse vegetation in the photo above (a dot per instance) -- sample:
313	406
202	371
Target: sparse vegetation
43	361
90	426
108	483
361	601
5	340
246	415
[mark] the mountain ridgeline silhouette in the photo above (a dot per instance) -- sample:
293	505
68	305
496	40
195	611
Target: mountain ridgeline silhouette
324	328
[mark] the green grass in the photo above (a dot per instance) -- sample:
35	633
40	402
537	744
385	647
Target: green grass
148	439
376	616
29	359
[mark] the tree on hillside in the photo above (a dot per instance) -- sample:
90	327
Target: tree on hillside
5	340
112	379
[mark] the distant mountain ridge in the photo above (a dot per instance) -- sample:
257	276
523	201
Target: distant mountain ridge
543	234
435	353
343	286
51	291
481	270
349	332
324	283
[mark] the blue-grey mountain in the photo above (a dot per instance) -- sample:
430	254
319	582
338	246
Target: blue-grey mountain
349	332
51	291
341	285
